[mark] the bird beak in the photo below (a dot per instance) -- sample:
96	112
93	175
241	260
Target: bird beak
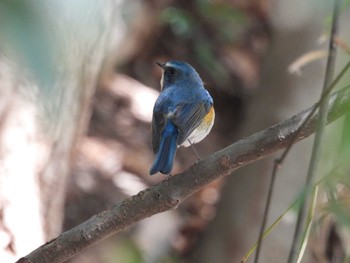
162	65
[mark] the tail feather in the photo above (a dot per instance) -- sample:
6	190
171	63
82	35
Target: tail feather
165	157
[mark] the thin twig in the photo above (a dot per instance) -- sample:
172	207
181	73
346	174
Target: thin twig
307	119
316	150
334	170
266	211
278	162
171	192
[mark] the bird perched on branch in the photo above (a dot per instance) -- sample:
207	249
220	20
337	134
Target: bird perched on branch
183	114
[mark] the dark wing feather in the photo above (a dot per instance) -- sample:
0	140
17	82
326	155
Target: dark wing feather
188	117
158	125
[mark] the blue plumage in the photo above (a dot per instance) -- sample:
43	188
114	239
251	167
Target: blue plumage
183	113
165	157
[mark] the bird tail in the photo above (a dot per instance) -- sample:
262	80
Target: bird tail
165	157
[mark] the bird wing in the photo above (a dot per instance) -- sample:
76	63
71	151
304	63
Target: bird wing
158	124
188	117
185	116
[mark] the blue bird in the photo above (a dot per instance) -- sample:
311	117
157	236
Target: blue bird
183	114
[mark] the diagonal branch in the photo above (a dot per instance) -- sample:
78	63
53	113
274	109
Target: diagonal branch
172	191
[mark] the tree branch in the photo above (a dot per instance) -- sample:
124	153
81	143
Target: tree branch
172	191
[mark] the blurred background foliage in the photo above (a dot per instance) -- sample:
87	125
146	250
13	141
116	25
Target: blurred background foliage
24	33
242	50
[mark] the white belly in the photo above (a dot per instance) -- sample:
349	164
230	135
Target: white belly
200	132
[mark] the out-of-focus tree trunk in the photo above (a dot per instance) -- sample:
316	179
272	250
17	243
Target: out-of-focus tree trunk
236	226
51	54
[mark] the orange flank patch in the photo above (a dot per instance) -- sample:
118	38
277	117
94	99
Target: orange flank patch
210	116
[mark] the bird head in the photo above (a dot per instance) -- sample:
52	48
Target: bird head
179	73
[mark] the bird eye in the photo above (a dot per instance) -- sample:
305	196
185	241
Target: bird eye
172	71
